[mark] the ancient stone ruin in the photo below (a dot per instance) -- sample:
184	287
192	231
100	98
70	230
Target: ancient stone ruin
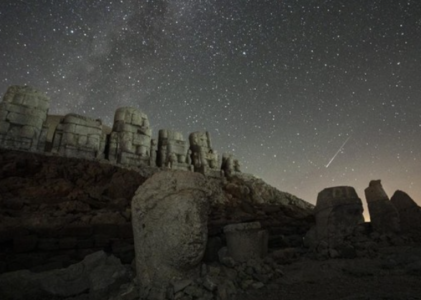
173	151
338	211
79	136
384	216
22	116
205	159
130	140
25	125
246	241
169	217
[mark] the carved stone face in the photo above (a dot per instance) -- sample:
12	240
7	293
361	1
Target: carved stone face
183	231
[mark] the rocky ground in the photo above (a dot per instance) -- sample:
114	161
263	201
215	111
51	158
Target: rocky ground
394	274
55	211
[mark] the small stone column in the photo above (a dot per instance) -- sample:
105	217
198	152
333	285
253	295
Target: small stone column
246	241
384	216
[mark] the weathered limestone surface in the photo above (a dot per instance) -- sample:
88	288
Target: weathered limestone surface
409	211
246	241
169	218
338	212
204	159
79	136
22	116
384	216
173	151
130	139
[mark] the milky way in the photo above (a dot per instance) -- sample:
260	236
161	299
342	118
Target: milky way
281	84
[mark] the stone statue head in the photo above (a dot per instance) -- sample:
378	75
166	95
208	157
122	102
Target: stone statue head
169	217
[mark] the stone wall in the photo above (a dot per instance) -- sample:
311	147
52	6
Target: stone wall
49	248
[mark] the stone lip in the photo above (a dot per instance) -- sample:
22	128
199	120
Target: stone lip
242	227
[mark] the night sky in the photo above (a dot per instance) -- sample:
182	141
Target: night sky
282	84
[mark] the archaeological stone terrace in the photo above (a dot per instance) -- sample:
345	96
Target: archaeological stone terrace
26	125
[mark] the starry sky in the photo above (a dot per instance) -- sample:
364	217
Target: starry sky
307	94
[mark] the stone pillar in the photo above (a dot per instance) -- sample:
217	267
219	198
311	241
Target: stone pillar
169	219
246	241
384	216
338	211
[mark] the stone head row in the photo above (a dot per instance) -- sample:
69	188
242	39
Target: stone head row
26	125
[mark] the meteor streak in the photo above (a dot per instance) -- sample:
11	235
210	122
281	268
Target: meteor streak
337	152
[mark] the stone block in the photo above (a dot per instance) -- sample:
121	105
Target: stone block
24	110
48	244
244	241
82	140
20	119
12	107
26	243
3	113
29	132
110	230
129	128
93	141
139	139
101	241
86	130
77	231
67	243
69	139
84	243
4	127
30	100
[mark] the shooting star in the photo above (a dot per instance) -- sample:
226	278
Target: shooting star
337	152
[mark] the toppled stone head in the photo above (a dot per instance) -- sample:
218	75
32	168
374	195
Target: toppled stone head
169	217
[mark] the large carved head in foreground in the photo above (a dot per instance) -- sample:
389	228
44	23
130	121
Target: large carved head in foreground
169	217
